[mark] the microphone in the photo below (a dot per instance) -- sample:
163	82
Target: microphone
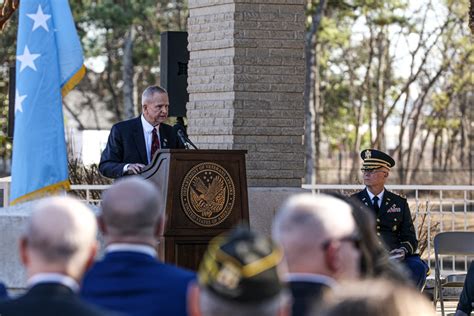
183	137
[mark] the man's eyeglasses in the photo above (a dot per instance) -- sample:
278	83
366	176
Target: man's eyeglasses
370	172
354	239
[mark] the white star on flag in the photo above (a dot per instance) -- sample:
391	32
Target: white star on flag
40	19
27	59
18	100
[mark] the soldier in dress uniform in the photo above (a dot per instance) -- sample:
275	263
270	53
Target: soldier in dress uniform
394	223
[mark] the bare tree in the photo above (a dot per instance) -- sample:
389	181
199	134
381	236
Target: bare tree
311	92
127	73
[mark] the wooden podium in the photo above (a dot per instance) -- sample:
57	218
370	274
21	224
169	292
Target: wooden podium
205	193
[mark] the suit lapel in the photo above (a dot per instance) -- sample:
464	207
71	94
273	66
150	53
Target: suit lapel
386	202
164	139
364	197
139	139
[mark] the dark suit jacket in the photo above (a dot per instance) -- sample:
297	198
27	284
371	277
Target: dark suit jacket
126	144
307	296
3	292
394	223
137	284
466	300
49	299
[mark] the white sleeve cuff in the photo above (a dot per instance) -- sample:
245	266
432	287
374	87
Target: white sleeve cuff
125	169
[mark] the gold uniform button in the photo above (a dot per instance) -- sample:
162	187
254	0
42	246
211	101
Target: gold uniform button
378	227
378	220
378	234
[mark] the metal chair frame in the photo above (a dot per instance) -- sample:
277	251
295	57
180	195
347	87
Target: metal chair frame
459	243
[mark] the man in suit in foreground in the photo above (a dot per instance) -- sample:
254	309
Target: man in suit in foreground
466	300
130	278
320	244
57	248
132	143
393	216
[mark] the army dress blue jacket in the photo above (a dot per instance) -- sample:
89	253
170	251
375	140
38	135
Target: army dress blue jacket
394	223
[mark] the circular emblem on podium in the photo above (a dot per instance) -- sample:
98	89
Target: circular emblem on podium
207	194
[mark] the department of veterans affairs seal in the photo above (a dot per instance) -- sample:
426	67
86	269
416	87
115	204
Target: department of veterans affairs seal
207	194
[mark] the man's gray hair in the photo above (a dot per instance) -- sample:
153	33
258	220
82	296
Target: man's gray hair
313	216
132	207
213	305
305	222
61	230
150	91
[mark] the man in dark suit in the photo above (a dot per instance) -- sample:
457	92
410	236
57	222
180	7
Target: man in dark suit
130	278
319	248
58	246
393	216
466	300
132	143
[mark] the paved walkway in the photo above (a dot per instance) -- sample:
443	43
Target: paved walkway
449	308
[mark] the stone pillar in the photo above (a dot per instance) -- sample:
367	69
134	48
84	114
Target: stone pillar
245	83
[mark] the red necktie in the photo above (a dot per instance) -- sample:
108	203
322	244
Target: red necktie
155	143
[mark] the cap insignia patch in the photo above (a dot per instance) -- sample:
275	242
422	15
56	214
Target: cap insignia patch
367	154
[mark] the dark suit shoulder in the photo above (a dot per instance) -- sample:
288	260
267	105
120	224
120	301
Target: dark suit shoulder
136	121
179	272
166	127
50	299
395	197
307	296
358	194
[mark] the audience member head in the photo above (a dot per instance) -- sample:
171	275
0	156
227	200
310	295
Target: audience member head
60	237
239	276
319	236
132	211
377	297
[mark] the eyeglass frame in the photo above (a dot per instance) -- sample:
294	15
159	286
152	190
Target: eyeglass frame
354	238
371	171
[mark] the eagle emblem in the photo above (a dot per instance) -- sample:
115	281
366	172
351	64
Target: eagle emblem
207	194
208	199
367	154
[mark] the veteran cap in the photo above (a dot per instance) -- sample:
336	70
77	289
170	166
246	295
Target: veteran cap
374	159
241	266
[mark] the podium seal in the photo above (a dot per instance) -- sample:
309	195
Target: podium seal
207	194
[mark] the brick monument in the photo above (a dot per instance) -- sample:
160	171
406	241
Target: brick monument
245	81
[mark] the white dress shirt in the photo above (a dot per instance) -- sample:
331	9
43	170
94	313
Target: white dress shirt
140	248
147	133
380	196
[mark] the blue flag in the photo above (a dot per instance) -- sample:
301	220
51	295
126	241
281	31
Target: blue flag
49	64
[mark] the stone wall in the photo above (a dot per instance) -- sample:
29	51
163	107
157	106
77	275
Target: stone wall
263	203
246	81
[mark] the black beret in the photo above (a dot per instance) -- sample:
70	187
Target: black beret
241	266
374	159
